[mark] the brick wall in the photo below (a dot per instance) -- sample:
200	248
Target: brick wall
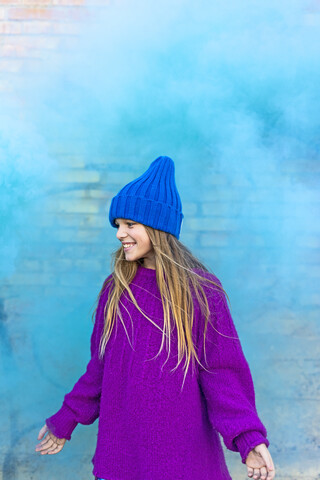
28	29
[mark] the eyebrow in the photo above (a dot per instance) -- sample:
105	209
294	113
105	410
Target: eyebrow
126	221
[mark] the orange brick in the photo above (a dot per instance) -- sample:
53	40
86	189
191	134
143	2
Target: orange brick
10	28
99	3
29	13
37	3
69	2
10	2
47	13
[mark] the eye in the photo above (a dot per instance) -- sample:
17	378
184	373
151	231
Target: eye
130	224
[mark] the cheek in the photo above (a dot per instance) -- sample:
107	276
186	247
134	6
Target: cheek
148	244
144	243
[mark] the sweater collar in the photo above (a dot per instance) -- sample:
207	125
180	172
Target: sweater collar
146	272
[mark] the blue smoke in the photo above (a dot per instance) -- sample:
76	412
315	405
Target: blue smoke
229	90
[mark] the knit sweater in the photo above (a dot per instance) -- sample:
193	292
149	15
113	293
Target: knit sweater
150	428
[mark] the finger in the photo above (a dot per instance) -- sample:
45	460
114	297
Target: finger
270	467
55	449
45	444
250	471
256	473
45	441
57	440
43	430
263	473
264	452
271	474
44	452
270	464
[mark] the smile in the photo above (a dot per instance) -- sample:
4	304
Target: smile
128	246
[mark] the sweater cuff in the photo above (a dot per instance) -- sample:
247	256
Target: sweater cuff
246	441
62	423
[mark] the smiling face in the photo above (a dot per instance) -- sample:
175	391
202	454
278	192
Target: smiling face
136	242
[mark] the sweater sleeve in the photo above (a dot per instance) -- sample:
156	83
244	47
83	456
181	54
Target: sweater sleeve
82	403
228	386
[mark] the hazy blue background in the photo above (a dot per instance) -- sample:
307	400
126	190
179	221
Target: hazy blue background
231	92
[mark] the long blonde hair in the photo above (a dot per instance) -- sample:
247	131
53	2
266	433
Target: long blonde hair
175	275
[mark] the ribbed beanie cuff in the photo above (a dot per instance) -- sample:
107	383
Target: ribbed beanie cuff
158	215
152	199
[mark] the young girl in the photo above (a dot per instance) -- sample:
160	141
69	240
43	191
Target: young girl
159	419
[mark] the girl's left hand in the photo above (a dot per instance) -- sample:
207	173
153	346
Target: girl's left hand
51	444
259	463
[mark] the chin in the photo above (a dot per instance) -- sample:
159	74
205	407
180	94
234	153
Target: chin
131	259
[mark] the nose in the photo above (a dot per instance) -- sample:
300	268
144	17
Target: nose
121	233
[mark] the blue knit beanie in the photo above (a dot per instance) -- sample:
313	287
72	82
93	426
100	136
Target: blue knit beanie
152	199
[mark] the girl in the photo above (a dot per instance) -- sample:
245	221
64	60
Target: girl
158	419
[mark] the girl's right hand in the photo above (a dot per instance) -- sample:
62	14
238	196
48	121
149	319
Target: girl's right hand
51	444
259	463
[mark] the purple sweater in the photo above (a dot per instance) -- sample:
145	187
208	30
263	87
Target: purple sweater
148	428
